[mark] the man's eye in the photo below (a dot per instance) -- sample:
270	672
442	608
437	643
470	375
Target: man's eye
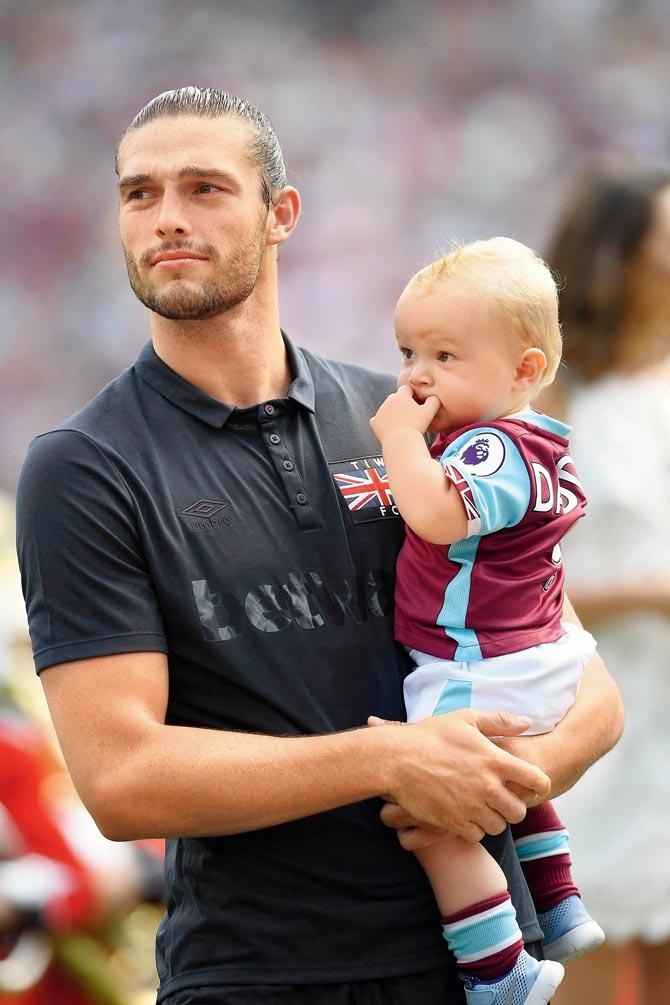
138	194
207	188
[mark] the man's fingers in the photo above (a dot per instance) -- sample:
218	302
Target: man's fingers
396	817
416	838
421	835
527	796
505	724
459	778
510	805
411	839
499	723
472	833
490	820
528	775
375	720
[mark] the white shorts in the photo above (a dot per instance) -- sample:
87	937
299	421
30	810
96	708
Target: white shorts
541	682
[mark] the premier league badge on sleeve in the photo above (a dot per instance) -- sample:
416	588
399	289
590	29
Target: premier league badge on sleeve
482	455
364	486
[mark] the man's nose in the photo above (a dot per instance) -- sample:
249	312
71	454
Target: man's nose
172	220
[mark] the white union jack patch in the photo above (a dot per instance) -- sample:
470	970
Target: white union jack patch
364	486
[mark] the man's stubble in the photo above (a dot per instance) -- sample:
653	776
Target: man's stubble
235	281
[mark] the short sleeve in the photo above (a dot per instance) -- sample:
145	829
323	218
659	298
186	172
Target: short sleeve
488	471
85	580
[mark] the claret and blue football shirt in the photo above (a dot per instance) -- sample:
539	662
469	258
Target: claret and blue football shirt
500	589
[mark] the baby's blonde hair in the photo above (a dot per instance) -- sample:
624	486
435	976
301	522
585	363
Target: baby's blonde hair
514	277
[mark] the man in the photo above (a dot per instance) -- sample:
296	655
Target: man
212	620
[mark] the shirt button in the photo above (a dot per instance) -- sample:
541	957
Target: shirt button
269	409
274	438
301	498
288	465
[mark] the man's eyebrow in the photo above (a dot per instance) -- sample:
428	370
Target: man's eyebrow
134	179
189	171
195	170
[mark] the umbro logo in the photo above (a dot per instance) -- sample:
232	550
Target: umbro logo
203	514
204	507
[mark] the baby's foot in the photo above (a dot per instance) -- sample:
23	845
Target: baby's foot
569	930
529	982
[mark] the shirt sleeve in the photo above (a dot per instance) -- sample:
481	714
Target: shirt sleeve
85	579
490	474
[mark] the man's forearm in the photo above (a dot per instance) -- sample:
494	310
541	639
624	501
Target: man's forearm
181	781
140	777
226	782
590	728
609	602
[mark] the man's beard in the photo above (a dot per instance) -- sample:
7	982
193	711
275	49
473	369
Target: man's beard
236	280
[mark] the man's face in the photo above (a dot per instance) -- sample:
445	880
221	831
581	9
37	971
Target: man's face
193	223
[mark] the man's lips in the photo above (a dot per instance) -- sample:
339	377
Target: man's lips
174	259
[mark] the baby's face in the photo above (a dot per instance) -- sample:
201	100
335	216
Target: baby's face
462	348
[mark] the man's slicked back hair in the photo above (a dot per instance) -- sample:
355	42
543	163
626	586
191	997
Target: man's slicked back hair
211	103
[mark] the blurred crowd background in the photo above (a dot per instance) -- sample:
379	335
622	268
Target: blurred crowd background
403	125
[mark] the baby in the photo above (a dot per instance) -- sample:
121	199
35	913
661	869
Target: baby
479	595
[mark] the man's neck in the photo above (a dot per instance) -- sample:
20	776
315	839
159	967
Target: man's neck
238	357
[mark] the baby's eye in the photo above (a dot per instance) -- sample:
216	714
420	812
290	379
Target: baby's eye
444	357
407	353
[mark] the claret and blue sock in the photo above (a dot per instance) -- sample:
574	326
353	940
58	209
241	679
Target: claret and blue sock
487	941
488	945
542	847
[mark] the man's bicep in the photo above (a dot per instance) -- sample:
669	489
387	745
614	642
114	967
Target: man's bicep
87	585
102	708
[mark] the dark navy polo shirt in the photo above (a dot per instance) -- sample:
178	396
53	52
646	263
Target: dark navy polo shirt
256	548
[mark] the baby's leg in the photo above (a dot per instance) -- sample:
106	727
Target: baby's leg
481	929
479	921
541	843
542	847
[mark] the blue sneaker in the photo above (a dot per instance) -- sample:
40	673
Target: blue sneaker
529	982
569	930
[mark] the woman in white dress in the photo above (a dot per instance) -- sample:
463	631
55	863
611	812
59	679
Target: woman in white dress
612	253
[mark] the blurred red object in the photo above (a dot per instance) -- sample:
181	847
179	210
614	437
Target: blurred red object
45	889
628	979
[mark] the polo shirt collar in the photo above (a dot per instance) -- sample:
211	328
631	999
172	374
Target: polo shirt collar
192	399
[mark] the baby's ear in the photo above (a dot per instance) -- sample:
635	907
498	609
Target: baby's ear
530	368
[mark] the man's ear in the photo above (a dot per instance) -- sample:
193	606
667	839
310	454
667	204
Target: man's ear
284	214
530	369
